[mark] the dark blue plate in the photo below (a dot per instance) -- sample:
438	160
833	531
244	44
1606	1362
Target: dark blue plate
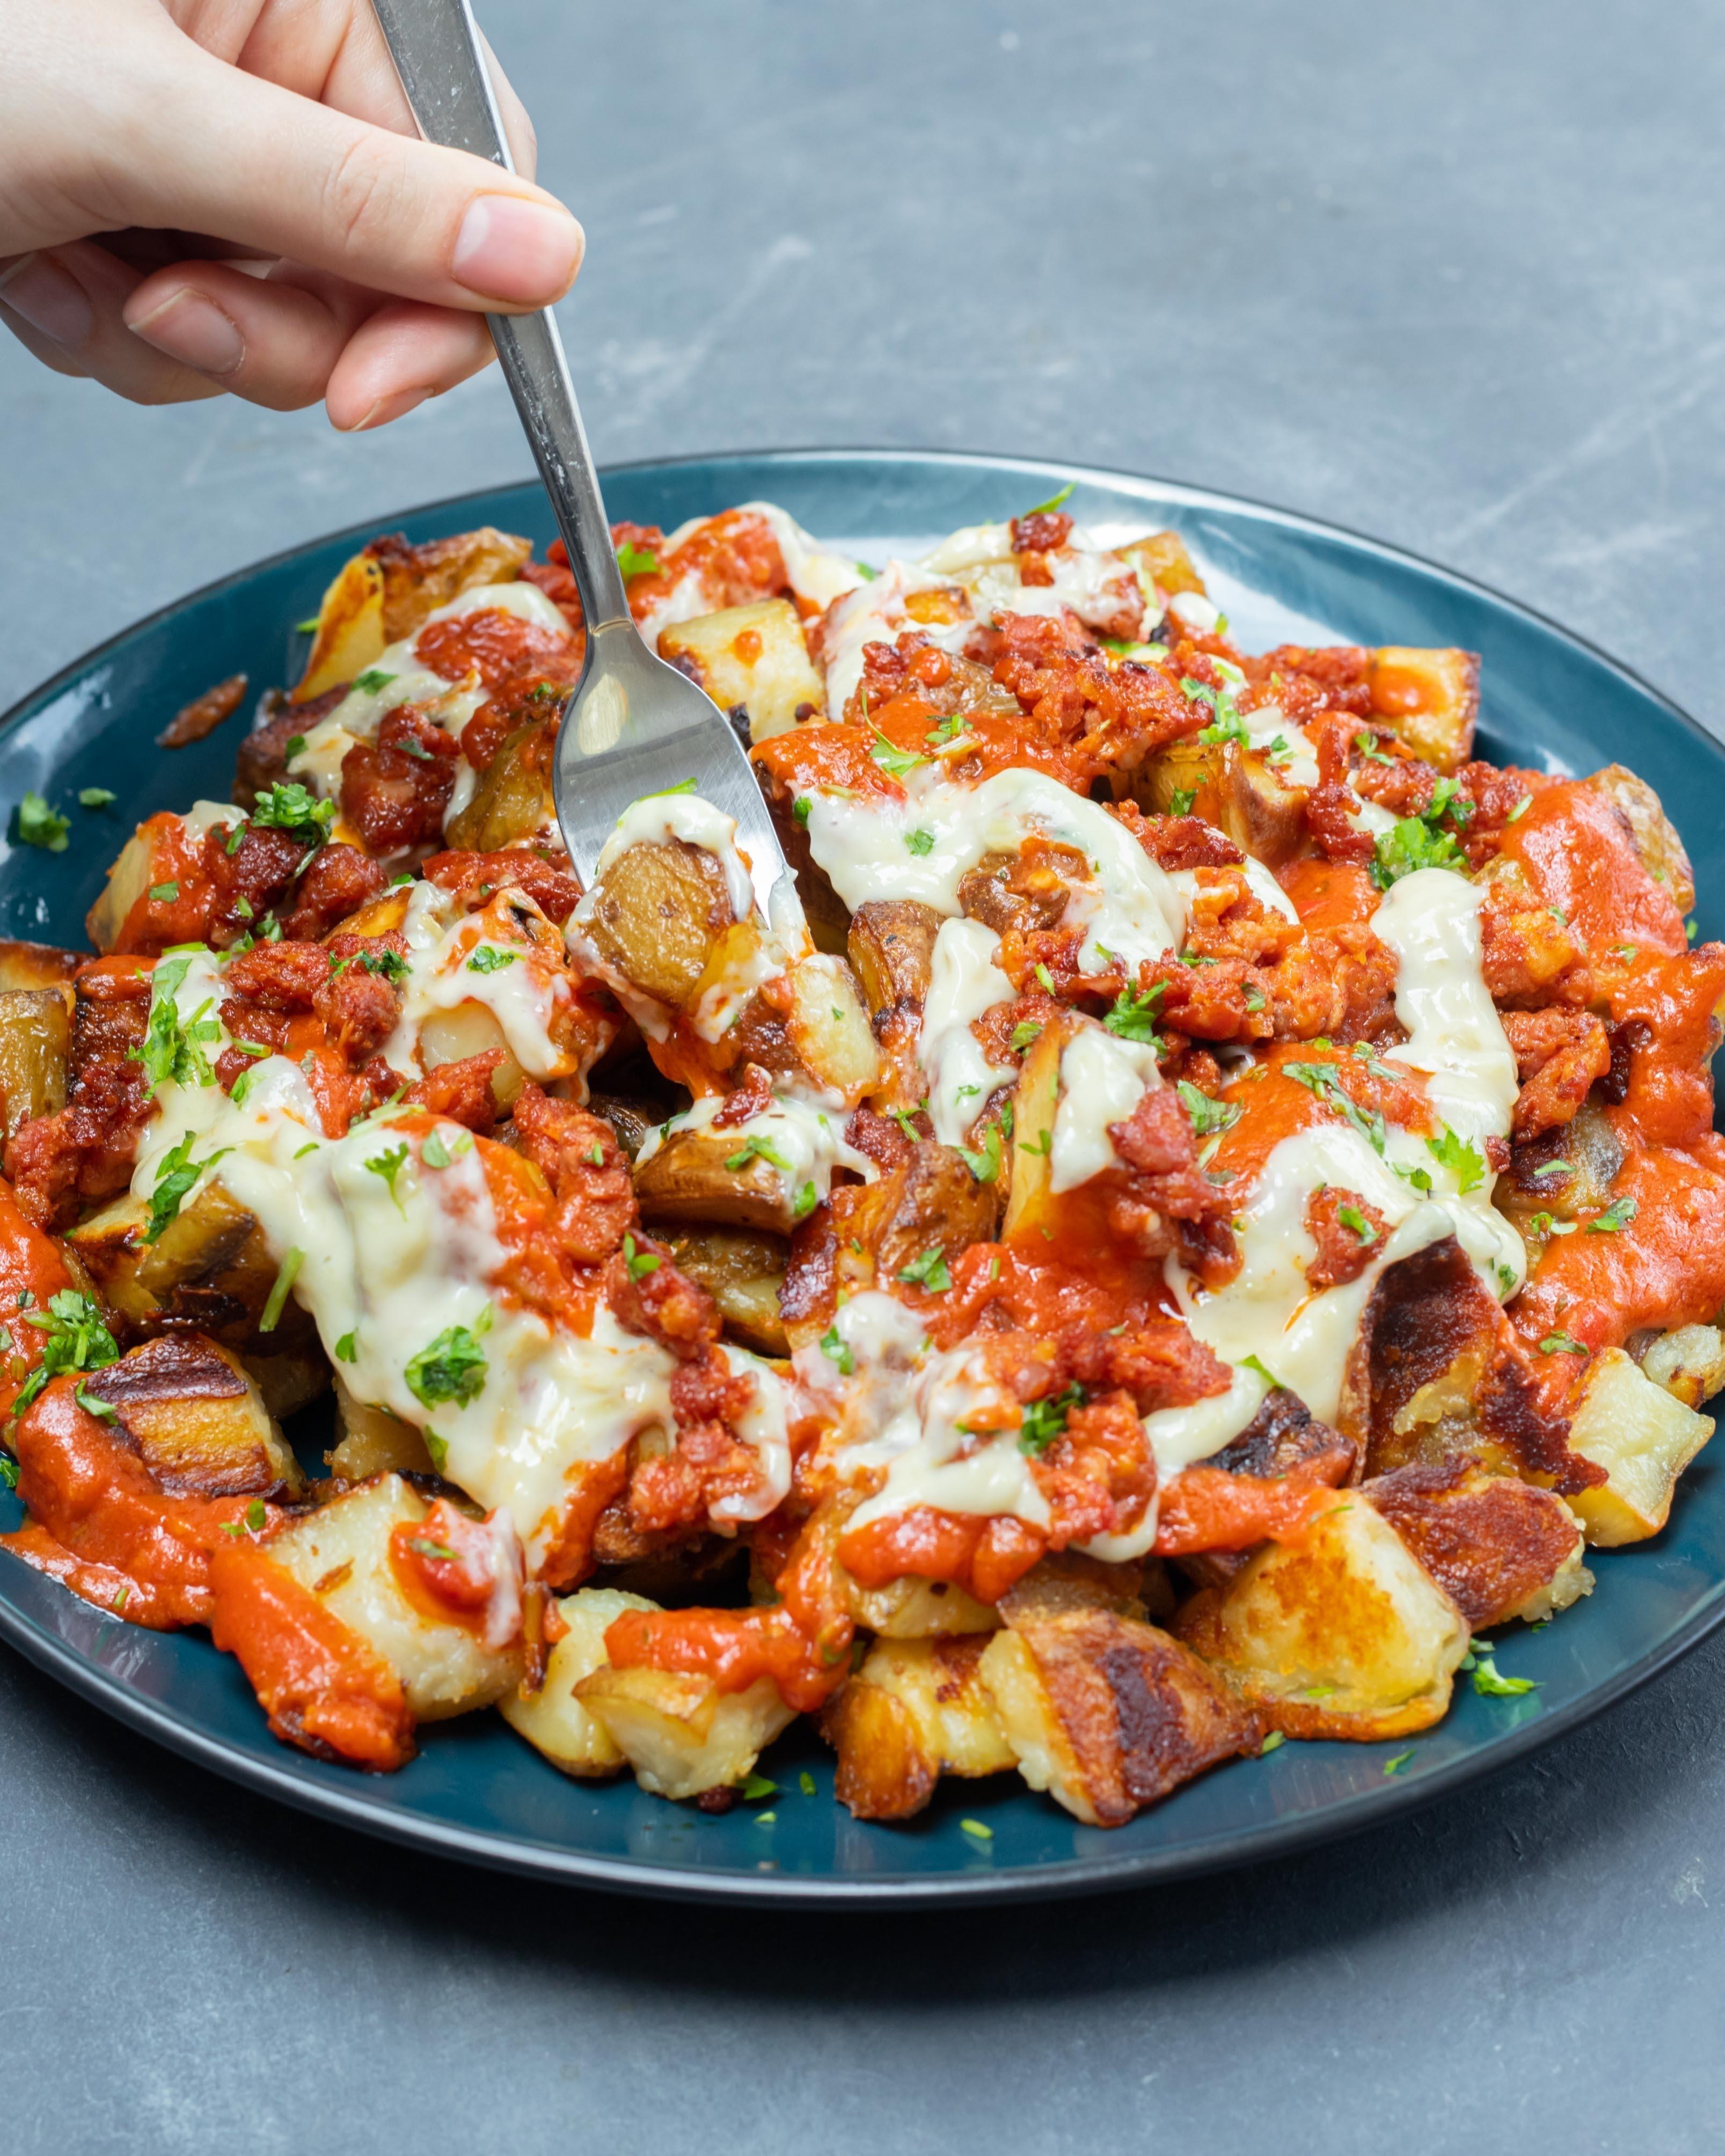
476	1791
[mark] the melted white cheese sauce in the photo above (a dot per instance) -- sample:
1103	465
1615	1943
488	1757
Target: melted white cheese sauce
807	1137
1102	1081
965	982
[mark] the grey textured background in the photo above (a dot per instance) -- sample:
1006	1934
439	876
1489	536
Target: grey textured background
1454	277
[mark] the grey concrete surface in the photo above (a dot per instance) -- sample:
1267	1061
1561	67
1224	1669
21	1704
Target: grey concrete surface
1452	276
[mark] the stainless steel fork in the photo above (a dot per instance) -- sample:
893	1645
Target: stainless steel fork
634	725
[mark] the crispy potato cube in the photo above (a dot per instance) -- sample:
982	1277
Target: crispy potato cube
511	800
340	1553
1161	558
742	1271
1688	1363
197	1420
551	1719
681	1734
211	1267
1499	1547
891	946
1644	1437
1108	1713
1344	1634
350	627
687	1180
36	965
471	1029
417	580
753	657
372	1441
912	1609
930	1199
660	910
915	1710
829	1029
35	1047
288	1382
1663	853
128	880
1428	699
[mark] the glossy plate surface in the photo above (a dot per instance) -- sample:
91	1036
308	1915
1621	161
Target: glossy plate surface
476	1791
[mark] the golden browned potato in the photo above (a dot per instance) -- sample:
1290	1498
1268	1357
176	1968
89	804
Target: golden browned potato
551	1719
1642	1436
742	1270
1236	789
681	1734
1162	559
35	1047
211	1267
1688	1363
1343	1633
197	1420
340	1553
511	800
929	1201
372	1441
129	877
915	1710
1032	1203
829	1029
1662	852
417	580
1499	1547
659	911
753	657
892	949
1105	1712
36	965
288	1382
691	1178
350	633
912	1609
1428	699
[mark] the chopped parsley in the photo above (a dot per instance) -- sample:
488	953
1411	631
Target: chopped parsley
928	1272
1520	809
1042	1421
1024	1033
371	681
1133	1016
453	1367
92	1405
175	1174
948	730
390	964
985	1165
1320	1079
757	1787
1491	1684
385	1166
76	1338
894	761
423	1545
755	1147
39	825
96	797
1047	508
1045	979
837	1353
640	1262
1254	998
173	1050
1400	1760
488	959
1273	1742
1356	1224
1264	1370
920	842
1208	1117
976	1829
1180	801
287	1274
163	894
347	1350
1551	1167
632	561
1463	1161
1617	1215
1561	1343
287	806
1367	743
800	807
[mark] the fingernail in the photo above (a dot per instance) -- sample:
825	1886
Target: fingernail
392	407
523	252
195	331
49	298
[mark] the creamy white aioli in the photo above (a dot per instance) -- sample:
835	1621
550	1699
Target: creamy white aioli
964	983
806	1136
1102	1079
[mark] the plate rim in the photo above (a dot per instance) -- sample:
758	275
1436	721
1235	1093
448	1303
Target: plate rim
1345	1816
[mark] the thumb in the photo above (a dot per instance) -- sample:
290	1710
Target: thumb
220	151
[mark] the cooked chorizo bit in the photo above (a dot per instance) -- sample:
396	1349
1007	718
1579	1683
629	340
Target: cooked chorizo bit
1558	1054
204	714
1349	1234
394	791
475	878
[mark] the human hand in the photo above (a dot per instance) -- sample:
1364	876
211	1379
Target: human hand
201	196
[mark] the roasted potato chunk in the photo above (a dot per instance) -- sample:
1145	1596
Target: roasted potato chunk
36	965
1105	1712
551	1719
930	1200
1428	699
372	1441
417	580
1162	561
197	1420
688	1179
1688	1363
1344	1634
913	1609
753	658
915	1710
659	911
829	1029
211	1267
340	1554
681	1734
1663	853
35	1049
1500	1548
891	946
512	799
1644	1437
742	1271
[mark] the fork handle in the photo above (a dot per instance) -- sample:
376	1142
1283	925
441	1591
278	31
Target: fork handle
435	46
